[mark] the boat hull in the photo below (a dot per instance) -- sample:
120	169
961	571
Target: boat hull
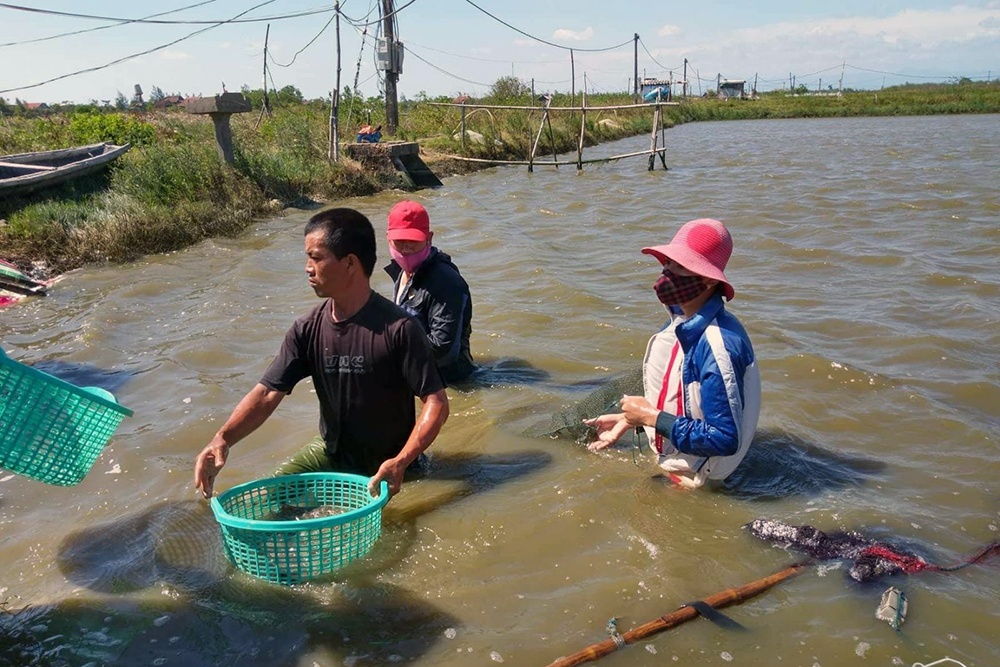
26	172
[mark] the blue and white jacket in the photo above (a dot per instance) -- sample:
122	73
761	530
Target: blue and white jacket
703	371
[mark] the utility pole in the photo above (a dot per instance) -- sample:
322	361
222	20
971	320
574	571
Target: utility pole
685	84
635	60
392	73
840	86
572	79
265	106
334	150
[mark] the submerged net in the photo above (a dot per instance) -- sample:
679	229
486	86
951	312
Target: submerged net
568	423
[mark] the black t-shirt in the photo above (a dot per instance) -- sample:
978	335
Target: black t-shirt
366	371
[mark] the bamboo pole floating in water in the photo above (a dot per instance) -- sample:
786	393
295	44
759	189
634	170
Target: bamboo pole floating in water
722	599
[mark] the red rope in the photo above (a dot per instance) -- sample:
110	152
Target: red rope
909	564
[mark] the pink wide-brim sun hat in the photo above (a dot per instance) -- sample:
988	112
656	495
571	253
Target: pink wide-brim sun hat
701	246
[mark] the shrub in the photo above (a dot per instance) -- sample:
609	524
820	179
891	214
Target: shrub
93	128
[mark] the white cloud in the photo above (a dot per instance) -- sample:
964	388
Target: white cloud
668	30
922	28
567	35
175	55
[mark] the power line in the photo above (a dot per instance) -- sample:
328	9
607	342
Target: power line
105	27
487	60
539	39
445	72
136	55
903	76
668	69
306	12
378	21
308	44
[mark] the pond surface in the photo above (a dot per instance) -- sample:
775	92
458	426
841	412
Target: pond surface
865	267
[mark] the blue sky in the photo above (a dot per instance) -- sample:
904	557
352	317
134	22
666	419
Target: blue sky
452	47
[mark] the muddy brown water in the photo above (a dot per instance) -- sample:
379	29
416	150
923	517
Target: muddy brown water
866	272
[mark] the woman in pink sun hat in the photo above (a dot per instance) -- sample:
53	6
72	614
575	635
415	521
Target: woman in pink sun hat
701	382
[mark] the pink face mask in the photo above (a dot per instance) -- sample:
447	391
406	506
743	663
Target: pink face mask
410	263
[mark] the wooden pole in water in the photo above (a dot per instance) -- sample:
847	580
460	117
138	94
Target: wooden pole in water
725	598
583	126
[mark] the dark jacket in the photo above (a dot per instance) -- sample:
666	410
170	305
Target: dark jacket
438	297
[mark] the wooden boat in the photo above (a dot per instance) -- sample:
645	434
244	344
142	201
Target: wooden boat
15	285
20	174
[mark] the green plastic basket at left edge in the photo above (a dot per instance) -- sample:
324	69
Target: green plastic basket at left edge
288	552
51	430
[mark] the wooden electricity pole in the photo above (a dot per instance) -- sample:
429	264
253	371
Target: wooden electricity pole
333	153
392	73
635	60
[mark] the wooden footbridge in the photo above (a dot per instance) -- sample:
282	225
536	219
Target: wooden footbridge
657	139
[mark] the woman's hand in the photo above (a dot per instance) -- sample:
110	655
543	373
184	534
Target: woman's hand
638	411
609	429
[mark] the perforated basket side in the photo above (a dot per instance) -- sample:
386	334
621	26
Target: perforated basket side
50	430
291	552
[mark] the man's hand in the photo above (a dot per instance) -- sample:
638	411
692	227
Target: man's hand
609	429
392	472
208	464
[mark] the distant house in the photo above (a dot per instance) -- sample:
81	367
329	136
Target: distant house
732	89
36	106
169	101
462	99
651	88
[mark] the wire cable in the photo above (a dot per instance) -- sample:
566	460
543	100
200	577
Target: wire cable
105	27
539	39
135	55
50	12
445	72
903	76
487	60
308	44
668	69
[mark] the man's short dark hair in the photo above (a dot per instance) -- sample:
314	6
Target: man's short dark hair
346	232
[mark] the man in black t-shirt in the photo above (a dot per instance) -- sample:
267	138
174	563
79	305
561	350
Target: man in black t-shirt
367	359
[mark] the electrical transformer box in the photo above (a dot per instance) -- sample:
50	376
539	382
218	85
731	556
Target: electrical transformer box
389	56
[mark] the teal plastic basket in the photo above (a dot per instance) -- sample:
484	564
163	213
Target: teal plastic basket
51	430
294	551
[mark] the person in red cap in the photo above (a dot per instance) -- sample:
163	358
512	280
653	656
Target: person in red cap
701	382
428	285
367	360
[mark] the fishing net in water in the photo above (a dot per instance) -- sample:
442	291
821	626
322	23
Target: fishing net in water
872	558
568	423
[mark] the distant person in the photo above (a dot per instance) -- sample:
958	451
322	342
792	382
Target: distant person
367	360
369	135
427	284
700	376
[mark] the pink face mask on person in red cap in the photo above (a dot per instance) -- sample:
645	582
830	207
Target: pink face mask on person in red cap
410	263
408	221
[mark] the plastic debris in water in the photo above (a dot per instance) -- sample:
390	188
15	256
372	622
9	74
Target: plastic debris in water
892	608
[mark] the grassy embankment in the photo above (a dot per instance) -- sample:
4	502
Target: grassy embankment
171	190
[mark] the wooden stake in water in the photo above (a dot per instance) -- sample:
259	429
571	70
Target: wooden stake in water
725	598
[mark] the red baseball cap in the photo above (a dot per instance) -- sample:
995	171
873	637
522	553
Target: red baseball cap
408	221
701	246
